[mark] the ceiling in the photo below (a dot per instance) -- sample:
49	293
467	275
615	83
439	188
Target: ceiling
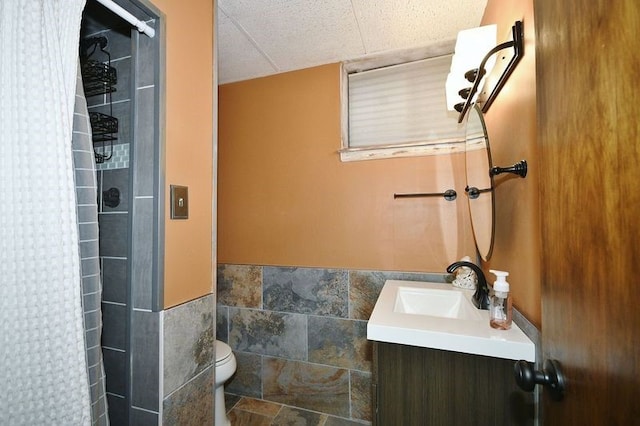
257	38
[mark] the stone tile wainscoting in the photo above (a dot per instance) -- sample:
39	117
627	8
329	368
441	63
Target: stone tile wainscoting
188	363
300	335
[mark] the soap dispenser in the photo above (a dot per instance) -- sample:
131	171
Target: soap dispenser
500	310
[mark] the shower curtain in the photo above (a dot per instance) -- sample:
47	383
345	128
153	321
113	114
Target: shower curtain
43	366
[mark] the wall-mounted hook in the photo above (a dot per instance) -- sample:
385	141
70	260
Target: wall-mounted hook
520	169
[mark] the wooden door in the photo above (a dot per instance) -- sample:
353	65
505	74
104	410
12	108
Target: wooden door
588	75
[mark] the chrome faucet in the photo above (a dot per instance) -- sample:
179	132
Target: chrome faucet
481	296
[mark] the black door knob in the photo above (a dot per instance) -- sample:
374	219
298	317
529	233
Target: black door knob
551	376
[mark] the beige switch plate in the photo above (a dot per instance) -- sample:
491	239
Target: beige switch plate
179	202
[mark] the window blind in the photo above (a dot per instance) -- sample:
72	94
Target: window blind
402	104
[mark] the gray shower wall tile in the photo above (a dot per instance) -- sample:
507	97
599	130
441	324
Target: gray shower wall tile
192	404
118	179
114	230
142	253
141	418
145	359
188	341
146	54
268	333
144	146
114	280
310	386
115	370
365	287
118	43
114	318
340	343
306	291
239	285
123	85
117	410
247	380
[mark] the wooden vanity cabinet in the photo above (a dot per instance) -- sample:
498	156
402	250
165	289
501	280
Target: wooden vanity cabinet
422	386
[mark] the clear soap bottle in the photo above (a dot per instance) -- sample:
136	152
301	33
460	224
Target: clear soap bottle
500	309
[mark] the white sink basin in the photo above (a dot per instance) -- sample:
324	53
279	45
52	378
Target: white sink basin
435	302
440	316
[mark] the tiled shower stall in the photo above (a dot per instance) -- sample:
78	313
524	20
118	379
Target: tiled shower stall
158	362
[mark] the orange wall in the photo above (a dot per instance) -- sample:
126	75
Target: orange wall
188	139
511	125
284	197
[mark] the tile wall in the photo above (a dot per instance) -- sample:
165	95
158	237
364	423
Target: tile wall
299	334
114	228
188	369
159	363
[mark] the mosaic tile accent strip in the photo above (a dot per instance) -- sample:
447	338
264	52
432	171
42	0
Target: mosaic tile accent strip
306	291
268	333
240	285
119	160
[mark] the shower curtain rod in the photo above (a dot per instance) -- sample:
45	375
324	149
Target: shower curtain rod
121	12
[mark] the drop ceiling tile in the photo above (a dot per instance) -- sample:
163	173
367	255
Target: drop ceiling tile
264	37
295	32
400	24
238	58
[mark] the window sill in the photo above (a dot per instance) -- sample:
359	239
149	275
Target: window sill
376	153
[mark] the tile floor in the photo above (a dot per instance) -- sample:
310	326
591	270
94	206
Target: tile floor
243	411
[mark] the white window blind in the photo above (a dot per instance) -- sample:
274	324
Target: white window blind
402	105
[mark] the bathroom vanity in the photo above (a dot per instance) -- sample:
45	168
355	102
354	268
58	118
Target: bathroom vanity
437	361
423	386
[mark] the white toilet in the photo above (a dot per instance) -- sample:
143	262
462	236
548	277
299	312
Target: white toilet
225	367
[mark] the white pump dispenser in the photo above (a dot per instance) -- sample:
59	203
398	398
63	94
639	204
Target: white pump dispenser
500	307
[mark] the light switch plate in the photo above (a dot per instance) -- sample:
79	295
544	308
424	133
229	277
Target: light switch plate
179	202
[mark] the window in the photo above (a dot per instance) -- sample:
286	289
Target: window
399	110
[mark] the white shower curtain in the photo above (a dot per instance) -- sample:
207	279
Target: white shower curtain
43	371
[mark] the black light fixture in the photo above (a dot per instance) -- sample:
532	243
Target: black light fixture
497	75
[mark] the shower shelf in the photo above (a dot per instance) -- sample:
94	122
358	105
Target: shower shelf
98	78
104	127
